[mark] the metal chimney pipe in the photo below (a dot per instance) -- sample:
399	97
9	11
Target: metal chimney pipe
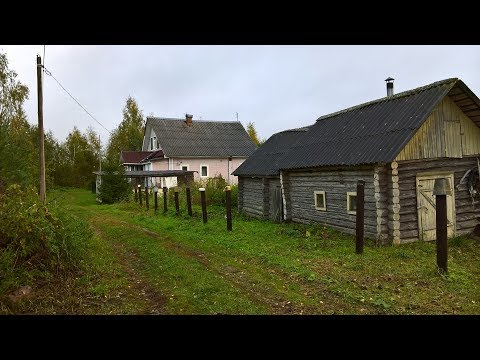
389	86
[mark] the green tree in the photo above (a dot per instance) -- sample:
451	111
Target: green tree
114	186
129	133
77	158
252	132
15	149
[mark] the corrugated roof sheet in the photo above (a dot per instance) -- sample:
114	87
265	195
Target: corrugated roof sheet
265	161
369	133
202	138
373	132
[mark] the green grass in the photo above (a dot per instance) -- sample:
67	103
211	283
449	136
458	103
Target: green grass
188	267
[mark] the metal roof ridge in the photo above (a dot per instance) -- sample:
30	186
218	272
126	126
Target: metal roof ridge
194	120
389	98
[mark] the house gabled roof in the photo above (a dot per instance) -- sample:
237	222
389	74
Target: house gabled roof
137	157
373	132
265	161
202	138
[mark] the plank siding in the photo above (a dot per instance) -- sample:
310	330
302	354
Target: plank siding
336	184
466	213
447	132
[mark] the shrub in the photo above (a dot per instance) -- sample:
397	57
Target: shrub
214	189
114	186
36	240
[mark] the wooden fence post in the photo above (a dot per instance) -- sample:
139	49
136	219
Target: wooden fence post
177	205
204	204
155	192
146	197
140	193
189	201
165	209
441	189
228	203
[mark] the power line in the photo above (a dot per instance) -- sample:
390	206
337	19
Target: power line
50	74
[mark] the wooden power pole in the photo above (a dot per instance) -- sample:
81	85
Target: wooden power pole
40	130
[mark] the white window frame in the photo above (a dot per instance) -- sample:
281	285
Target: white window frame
315	193
208	171
349	195
186	165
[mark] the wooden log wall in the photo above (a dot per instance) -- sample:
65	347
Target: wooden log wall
252	196
466	214
336	184
240	193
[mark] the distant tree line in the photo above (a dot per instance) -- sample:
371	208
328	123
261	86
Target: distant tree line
70	162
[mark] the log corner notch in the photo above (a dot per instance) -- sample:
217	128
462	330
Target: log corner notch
394	203
380	182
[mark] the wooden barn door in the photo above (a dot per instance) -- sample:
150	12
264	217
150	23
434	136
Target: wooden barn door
426	207
276	213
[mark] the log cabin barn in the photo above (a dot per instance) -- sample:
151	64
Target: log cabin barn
398	145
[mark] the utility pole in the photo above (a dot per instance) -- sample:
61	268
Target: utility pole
100	152
237	115
40	130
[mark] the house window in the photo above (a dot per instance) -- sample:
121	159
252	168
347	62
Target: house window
185	167
203	170
151	143
320	202
352	202
158	145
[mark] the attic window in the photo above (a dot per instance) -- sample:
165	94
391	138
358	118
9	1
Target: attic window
151	143
320	202
352	202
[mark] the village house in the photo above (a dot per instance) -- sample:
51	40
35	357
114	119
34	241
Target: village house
398	145
208	148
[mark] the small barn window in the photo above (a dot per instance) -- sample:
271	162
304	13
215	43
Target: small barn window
320	202
352	202
204	170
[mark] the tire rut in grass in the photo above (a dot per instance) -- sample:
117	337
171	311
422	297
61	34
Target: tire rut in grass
238	274
139	288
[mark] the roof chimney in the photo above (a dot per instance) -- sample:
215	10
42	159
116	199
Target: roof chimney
188	119
389	86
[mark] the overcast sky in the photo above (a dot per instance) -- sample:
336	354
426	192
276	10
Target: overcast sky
275	87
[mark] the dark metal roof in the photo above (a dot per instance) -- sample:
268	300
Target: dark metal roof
151	173
133	157
373	132
369	133
202	138
265	161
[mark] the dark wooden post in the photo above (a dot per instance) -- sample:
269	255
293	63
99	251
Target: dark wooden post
140	193
155	192
204	204
228	201
441	189
146	197
177	205
136	194
360	220
189	201
165	209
